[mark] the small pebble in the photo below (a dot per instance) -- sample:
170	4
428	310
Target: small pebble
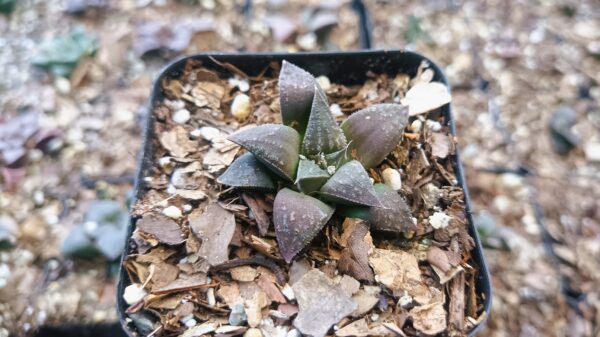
433	125
416	126
439	220
172	212
181	116
391	177
62	85
307	41
241	83
294	333
187	208
253	332
331	169
134	293
237	316
592	151
241	107
336	110
405	300
324	82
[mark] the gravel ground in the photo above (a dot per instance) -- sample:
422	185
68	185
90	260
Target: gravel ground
519	69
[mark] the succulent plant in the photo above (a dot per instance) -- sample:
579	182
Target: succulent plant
318	164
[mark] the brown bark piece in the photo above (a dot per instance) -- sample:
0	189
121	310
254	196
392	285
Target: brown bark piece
164	229
321	303
215	228
355	258
262	219
456	309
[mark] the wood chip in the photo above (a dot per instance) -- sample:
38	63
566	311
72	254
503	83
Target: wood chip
262	219
399	271
164	229
243	273
321	302
354	260
177	142
442	264
430	318
214	227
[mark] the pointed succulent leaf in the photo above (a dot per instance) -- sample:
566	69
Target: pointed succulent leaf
247	172
375	131
297	218
310	176
274	145
296	91
340	157
394	216
323	134
350	185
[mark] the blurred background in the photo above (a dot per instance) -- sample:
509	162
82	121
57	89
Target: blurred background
76	75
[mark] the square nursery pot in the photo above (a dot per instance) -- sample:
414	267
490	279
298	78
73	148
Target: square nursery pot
347	68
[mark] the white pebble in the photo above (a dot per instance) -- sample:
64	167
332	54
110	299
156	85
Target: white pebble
187	208
416	126
189	321
62	85
439	220
336	110
391	177
294	333
433	125
241	83
172	212
331	169
592	151
134	293
195	134
209	133
405	300
324	82
181	116
307	41
241	107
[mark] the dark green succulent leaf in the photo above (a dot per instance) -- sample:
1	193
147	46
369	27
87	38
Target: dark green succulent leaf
310	176
350	185
394	216
339	158
375	131
297	218
323	134
357	212
296	91
275	145
247	172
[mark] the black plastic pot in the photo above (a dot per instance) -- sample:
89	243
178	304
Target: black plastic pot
344	68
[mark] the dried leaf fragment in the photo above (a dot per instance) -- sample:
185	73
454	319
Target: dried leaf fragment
399	271
215	228
163	228
321	303
424	97
355	257
430	318
177	142
442	264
